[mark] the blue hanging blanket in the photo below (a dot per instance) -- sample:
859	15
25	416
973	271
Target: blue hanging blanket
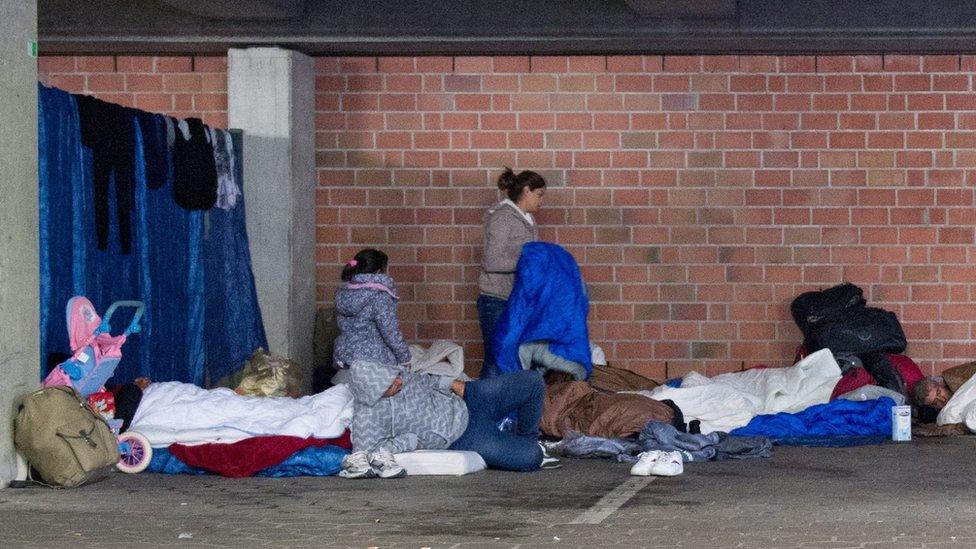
191	269
548	303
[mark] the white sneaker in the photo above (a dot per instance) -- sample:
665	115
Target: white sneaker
645	463
668	464
356	465
385	465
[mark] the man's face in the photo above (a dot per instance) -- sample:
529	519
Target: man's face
938	396
394	387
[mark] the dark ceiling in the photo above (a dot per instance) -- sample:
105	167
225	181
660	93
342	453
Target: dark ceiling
509	26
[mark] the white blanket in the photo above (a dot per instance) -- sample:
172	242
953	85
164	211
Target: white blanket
961	408
173	412
725	402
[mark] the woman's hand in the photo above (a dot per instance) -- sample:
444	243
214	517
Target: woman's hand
457	387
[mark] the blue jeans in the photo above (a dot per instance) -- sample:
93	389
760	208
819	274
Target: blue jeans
489	309
490	400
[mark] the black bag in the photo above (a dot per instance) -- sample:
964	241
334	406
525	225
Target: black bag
884	372
859	331
810	308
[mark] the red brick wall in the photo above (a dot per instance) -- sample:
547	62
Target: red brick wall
700	194
179	86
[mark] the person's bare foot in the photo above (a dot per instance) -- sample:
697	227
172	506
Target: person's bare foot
142	382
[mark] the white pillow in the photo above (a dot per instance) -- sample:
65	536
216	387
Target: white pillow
440	462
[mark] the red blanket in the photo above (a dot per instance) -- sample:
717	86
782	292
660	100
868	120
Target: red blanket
248	456
855	378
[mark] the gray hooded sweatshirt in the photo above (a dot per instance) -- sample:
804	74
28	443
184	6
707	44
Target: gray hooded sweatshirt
424	415
506	230
367	319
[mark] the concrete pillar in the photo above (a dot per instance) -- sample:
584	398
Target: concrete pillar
271	96
19	305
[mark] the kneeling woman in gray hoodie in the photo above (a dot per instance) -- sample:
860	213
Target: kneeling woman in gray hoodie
367	314
399	411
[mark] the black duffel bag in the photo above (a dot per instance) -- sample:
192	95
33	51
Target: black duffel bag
858	331
810	308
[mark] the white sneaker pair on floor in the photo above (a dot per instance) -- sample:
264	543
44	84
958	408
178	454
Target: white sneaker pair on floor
363	465
658	463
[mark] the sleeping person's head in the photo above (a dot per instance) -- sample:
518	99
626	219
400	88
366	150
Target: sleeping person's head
931	391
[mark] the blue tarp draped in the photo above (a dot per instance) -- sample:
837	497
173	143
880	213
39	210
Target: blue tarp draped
548	302
836	423
190	268
314	462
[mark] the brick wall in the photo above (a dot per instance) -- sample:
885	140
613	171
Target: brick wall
699	194
179	86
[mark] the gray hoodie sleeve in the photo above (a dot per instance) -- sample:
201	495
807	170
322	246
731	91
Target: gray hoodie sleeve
389	328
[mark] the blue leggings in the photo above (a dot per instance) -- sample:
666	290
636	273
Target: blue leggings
489	401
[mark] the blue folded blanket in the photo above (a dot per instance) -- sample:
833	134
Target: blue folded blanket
836	423
547	303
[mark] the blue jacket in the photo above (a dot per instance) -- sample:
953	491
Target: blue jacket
547	303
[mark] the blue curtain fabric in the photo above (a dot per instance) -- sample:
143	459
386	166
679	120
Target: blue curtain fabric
202	318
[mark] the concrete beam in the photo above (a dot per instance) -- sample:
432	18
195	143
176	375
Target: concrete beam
689	9
19	282
516	27
241	9
270	95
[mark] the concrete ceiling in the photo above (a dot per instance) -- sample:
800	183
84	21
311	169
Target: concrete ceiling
418	27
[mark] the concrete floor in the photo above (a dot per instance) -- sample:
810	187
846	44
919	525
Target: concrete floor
917	494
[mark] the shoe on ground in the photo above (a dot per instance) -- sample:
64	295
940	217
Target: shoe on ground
385	465
668	464
356	465
645	463
548	462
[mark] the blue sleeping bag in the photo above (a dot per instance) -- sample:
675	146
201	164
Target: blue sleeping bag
548	303
836	423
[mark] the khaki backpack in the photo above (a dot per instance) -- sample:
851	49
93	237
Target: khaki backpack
63	439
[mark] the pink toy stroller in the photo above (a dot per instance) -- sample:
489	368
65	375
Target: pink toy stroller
95	354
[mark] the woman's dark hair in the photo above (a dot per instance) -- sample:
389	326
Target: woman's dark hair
513	183
366	261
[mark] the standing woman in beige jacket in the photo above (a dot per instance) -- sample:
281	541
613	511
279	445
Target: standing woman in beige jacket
508	225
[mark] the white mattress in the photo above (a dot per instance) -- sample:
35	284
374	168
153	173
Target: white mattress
440	462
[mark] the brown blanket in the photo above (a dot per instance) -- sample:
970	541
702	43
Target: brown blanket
612	380
957	375
575	405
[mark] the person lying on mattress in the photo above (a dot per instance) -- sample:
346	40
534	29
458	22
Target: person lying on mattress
399	411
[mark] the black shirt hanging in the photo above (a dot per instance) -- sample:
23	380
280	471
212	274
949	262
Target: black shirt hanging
108	130
155	148
194	168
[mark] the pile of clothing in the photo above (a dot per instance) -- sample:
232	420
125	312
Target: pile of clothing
195	430
867	342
